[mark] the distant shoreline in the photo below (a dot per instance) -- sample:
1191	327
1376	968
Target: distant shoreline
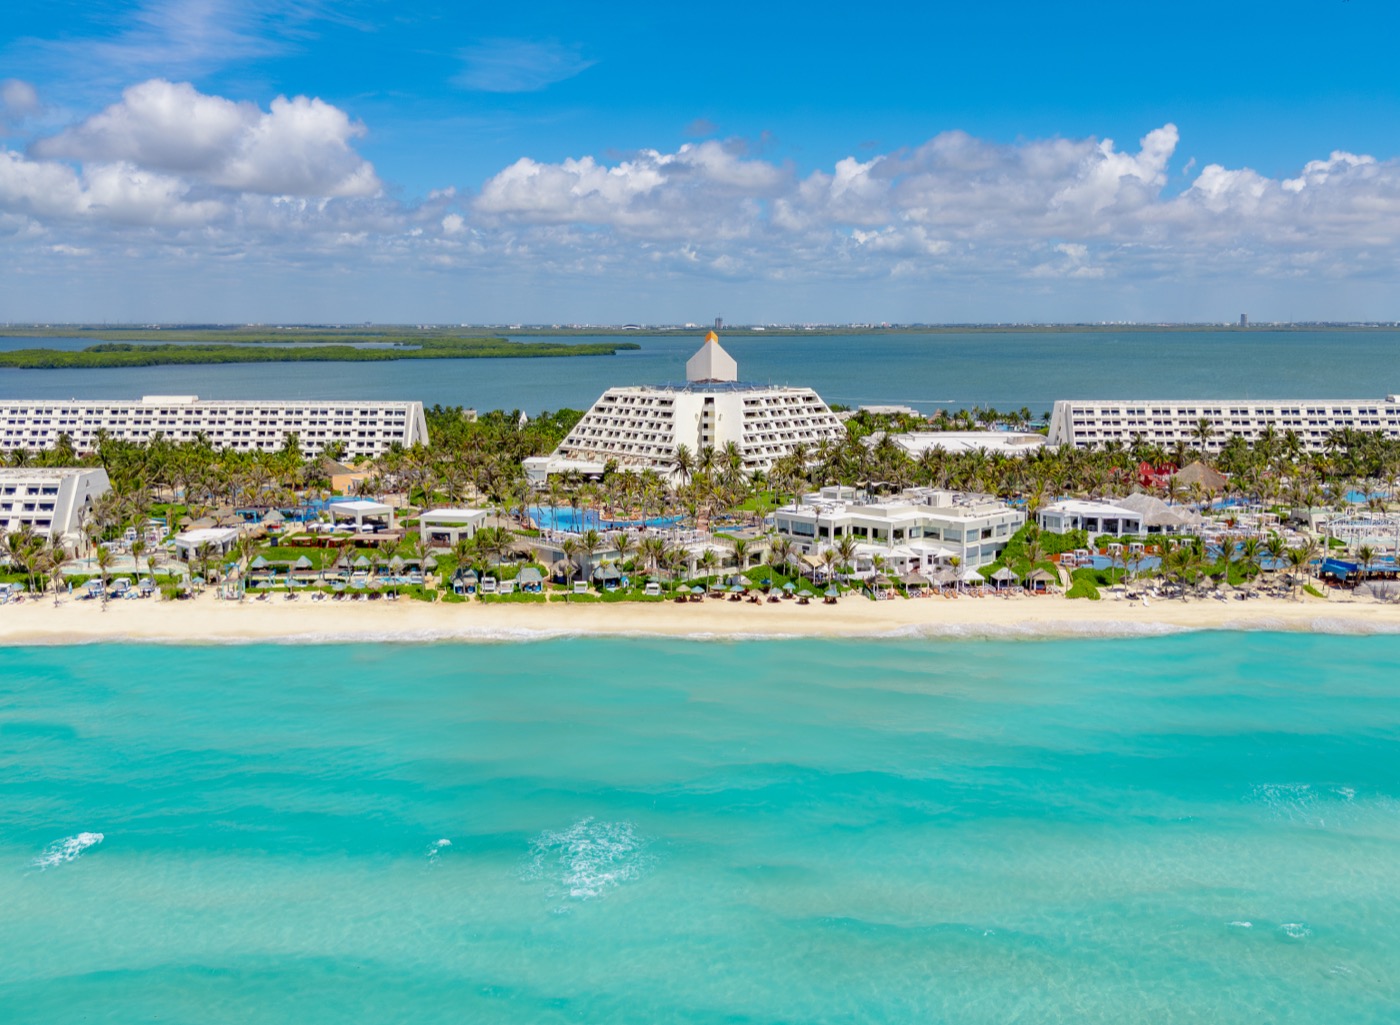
208	621
410	335
199	348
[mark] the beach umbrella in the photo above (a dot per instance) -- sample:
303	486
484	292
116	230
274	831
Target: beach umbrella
832	592
789	587
303	563
258	563
339	585
396	563
804	593
697	589
361	563
971	576
737	589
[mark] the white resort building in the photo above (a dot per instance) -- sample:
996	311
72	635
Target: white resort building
1089	423
1006	443
364	428
52	502
913	530
641	427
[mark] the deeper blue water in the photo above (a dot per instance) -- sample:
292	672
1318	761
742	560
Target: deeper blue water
927	371
1199	828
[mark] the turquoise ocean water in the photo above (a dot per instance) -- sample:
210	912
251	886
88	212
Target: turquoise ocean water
1195	828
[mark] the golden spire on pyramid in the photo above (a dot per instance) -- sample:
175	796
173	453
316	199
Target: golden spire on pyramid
711	337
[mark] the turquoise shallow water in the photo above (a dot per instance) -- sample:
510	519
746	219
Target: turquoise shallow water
1198	828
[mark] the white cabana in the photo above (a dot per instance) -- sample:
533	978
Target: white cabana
361	510
445	527
220	540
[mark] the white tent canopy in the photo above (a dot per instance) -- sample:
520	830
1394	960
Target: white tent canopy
359	510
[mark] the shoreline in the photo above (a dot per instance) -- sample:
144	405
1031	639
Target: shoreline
208	621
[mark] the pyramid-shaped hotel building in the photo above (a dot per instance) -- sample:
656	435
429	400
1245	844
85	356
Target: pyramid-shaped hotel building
642	427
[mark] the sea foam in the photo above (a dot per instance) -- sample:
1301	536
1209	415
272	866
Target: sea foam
588	859
60	852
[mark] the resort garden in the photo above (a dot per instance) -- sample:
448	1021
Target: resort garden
160	488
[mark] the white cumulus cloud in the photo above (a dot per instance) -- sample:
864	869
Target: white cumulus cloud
300	146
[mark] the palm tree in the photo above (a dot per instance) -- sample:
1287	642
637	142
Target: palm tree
622	541
1297	559
571	549
1277	549
741	554
1250	551
683	464
709	559
104	559
782	552
1366	555
204	553
589	544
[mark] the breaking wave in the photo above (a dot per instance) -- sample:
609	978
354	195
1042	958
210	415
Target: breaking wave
60	852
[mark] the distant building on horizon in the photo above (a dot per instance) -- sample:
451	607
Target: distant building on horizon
1244	320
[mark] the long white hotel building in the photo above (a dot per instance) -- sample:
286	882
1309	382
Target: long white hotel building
1089	423
641	427
365	428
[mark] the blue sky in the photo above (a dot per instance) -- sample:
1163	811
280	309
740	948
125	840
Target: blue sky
262	160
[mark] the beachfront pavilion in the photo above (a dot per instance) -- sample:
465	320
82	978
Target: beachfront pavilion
221	541
1092	517
362	511
443	528
974	527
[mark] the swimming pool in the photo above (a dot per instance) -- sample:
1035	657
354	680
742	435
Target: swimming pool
575	521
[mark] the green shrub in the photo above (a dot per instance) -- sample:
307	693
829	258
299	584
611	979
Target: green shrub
1083	588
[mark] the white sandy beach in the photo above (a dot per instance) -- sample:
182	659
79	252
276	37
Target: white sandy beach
207	620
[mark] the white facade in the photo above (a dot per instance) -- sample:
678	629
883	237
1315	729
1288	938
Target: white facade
441	527
1094	517
642	427
930	523
1089	423
365	428
51	502
221	541
1007	443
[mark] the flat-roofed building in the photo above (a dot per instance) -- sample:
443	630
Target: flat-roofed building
1091	516
52	502
916	443
643	427
445	527
363	428
1092	423
931	521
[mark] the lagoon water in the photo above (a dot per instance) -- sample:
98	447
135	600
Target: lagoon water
932	371
1192	828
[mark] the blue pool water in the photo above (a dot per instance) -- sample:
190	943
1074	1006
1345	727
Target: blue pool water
578	520
1199	828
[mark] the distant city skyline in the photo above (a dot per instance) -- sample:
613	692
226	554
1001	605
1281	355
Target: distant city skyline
280	161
